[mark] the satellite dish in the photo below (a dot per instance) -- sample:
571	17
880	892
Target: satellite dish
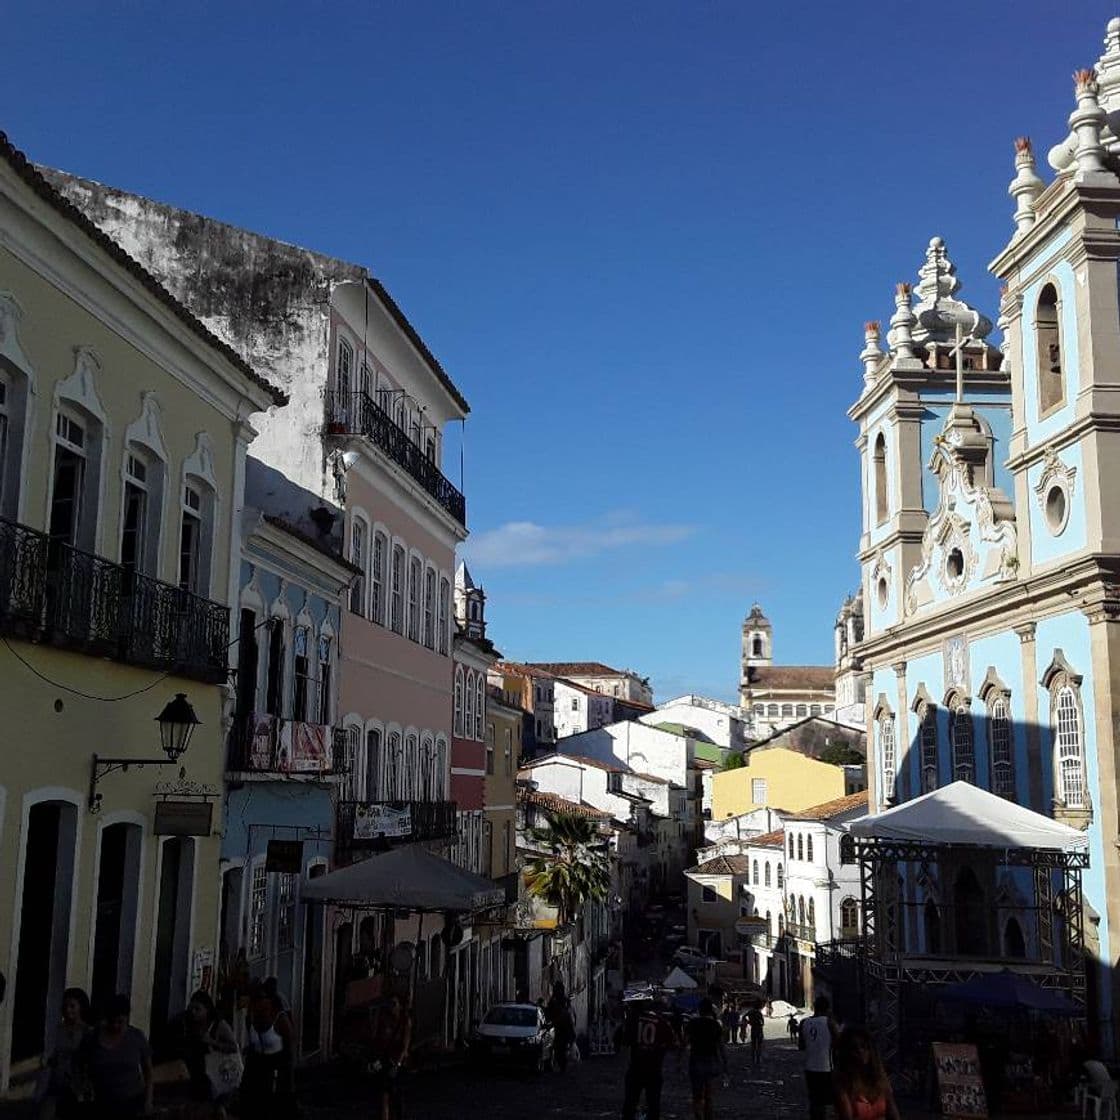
400	959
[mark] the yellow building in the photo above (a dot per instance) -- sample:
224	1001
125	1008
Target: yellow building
505	721
813	762
123	431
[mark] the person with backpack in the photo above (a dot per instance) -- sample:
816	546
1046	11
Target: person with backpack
649	1036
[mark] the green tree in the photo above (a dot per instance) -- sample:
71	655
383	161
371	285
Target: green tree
571	866
734	761
840	754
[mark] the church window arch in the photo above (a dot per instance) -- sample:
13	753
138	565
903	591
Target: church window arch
800	846
787	711
961	741
459	700
766	874
927	735
1067	722
1048	340
791	843
849	917
879	464
1001	746
781	877
801	910
756	646
887	759
811	914
754	875
772	711
809	847
468	725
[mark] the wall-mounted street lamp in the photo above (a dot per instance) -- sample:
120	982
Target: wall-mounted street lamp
176	722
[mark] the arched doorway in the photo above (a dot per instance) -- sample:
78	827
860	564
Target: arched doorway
1014	944
172	971
118	895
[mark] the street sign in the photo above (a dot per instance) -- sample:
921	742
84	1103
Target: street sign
747	925
183	818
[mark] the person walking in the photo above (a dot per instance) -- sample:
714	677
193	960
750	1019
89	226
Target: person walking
757	1025
392	1038
731	1018
863	1090
649	1036
117	1060
267	1089
706	1057
202	1033
559	1013
62	1083
816	1036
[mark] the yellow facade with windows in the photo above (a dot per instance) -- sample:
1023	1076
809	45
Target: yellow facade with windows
503	756
786	780
122	440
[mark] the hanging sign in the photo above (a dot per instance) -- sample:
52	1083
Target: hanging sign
747	924
373	820
183	818
285	856
958	1081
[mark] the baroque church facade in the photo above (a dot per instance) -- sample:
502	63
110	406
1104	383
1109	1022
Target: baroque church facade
990	546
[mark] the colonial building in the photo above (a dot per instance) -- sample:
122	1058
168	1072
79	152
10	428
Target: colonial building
726	725
579	708
624	684
534	692
990	555
124	426
778	695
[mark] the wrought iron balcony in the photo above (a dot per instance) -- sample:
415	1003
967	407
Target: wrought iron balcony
61	596
263	744
360	415
380	824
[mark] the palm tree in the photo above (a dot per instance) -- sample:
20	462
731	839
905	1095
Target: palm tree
571	866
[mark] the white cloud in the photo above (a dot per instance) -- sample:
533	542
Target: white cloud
525	543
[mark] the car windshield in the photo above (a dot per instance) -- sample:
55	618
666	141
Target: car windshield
511	1017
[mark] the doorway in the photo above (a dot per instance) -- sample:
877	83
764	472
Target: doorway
44	935
118	891
173	937
311	1005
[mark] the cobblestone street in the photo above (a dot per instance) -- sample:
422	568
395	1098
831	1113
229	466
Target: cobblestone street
592	1089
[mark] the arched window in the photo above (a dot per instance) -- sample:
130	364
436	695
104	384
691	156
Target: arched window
377	577
468	725
886	751
960	737
458	726
769	924
1003	760
766	874
801	910
358	537
444	614
1070	752
196	536
787	710
849	918
1014	944
14	395
392	767
800	846
772	711
373	765
927	717
410	769
809	847
802	710
879	464
931	919
1047	331
756	646
480	707
430	608
781	876
791	845
415	578
814	709
754	873
811	914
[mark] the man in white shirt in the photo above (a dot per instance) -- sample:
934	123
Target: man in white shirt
817	1037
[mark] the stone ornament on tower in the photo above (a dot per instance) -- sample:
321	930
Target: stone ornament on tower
1026	186
1086	122
871	355
902	321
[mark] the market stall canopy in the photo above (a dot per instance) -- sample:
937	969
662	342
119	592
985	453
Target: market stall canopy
406	878
680	980
962	813
1007	989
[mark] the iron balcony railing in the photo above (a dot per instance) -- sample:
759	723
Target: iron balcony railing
378	824
801	932
61	596
359	414
262	744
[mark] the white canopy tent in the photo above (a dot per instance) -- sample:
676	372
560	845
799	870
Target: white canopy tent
962	814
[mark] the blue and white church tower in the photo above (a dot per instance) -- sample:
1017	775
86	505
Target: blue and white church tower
990	546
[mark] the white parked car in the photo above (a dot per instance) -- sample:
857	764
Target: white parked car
514	1032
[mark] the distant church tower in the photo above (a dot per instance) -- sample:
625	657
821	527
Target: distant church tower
470	604
758	648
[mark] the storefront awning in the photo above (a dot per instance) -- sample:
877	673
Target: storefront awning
961	813
406	878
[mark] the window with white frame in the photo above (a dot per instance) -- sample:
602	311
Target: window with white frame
1003	758
508	751
444	614
13	406
754	873
887	756
428	778
196	536
468	727
1070	749
344	372
849	918
480	705
430	608
410	786
927	733
285	912
71	518
781	876
355	765
441	768
139	536
258	904
489	748
458	725
377	577
960	738
809	847
373	764
275	669
326	674
766	874
415	576
396	602
358	559
301	673
758	791
391	771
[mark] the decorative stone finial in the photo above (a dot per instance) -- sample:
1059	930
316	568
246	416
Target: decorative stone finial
1004	319
1086	121
900	338
1112	36
937	312
871	355
1026	186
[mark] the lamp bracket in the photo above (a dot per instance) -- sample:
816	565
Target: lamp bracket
102	767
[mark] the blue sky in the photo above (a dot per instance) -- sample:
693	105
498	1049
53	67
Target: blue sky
642	237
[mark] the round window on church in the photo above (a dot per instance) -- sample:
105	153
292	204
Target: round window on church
882	592
954	564
1057	509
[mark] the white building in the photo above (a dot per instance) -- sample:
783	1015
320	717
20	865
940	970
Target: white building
577	708
624	684
726	725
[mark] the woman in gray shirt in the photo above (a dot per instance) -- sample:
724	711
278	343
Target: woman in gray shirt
118	1063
